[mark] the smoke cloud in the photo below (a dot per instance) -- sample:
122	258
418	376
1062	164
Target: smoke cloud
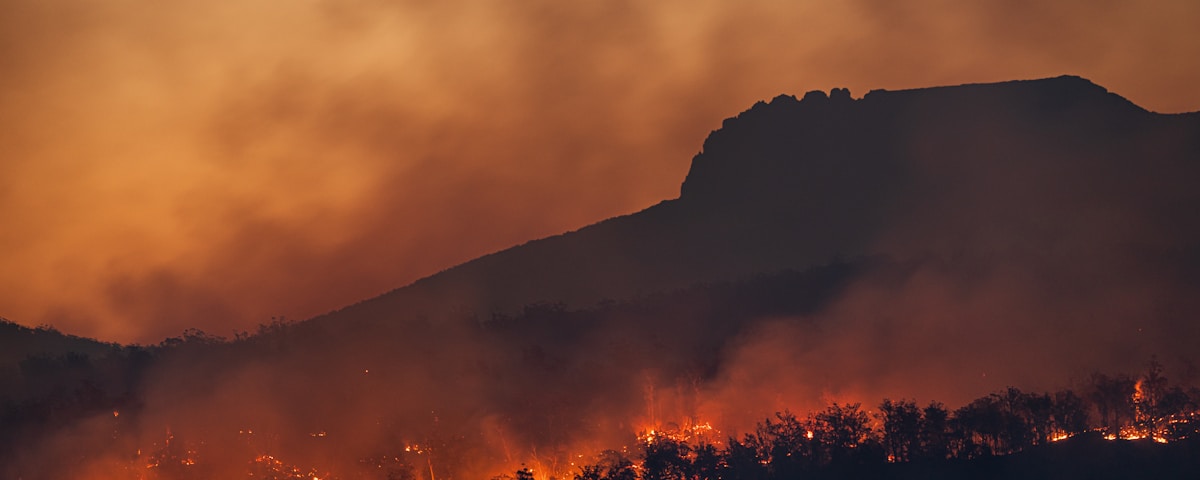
213	166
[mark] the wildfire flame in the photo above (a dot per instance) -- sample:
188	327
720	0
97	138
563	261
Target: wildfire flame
690	431
169	453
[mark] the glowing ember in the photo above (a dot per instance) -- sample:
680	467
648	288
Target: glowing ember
271	467
690	431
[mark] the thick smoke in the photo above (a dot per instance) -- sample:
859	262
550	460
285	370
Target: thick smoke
200	165
213	166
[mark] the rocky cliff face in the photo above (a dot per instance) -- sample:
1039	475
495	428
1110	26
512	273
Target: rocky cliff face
788	143
968	167
1055	169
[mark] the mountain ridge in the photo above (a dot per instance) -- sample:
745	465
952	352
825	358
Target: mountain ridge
851	169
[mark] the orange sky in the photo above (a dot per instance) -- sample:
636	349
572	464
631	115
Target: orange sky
166	165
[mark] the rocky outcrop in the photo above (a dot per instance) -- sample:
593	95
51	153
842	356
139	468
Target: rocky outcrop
1056	167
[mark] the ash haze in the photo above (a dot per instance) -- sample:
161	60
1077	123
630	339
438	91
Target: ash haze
212	165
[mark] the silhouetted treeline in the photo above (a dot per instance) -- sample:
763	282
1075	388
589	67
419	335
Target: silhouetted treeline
65	379
902	439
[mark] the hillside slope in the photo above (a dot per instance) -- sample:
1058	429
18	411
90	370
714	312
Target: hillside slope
1057	168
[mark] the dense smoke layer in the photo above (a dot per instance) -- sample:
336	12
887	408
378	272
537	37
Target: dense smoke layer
191	164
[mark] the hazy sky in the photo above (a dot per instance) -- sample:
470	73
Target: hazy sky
166	165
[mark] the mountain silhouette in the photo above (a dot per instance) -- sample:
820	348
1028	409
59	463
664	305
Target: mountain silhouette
934	243
1057	168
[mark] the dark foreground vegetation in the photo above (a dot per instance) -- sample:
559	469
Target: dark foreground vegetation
1116	426
1087	456
1142	429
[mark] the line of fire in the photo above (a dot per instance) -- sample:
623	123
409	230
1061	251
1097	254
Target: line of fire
1121	408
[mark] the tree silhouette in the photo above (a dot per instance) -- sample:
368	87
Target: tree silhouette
665	459
1018	430
978	427
935	432
1070	413
1112	398
843	433
784	444
744	460
901	429
613	465
708	463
